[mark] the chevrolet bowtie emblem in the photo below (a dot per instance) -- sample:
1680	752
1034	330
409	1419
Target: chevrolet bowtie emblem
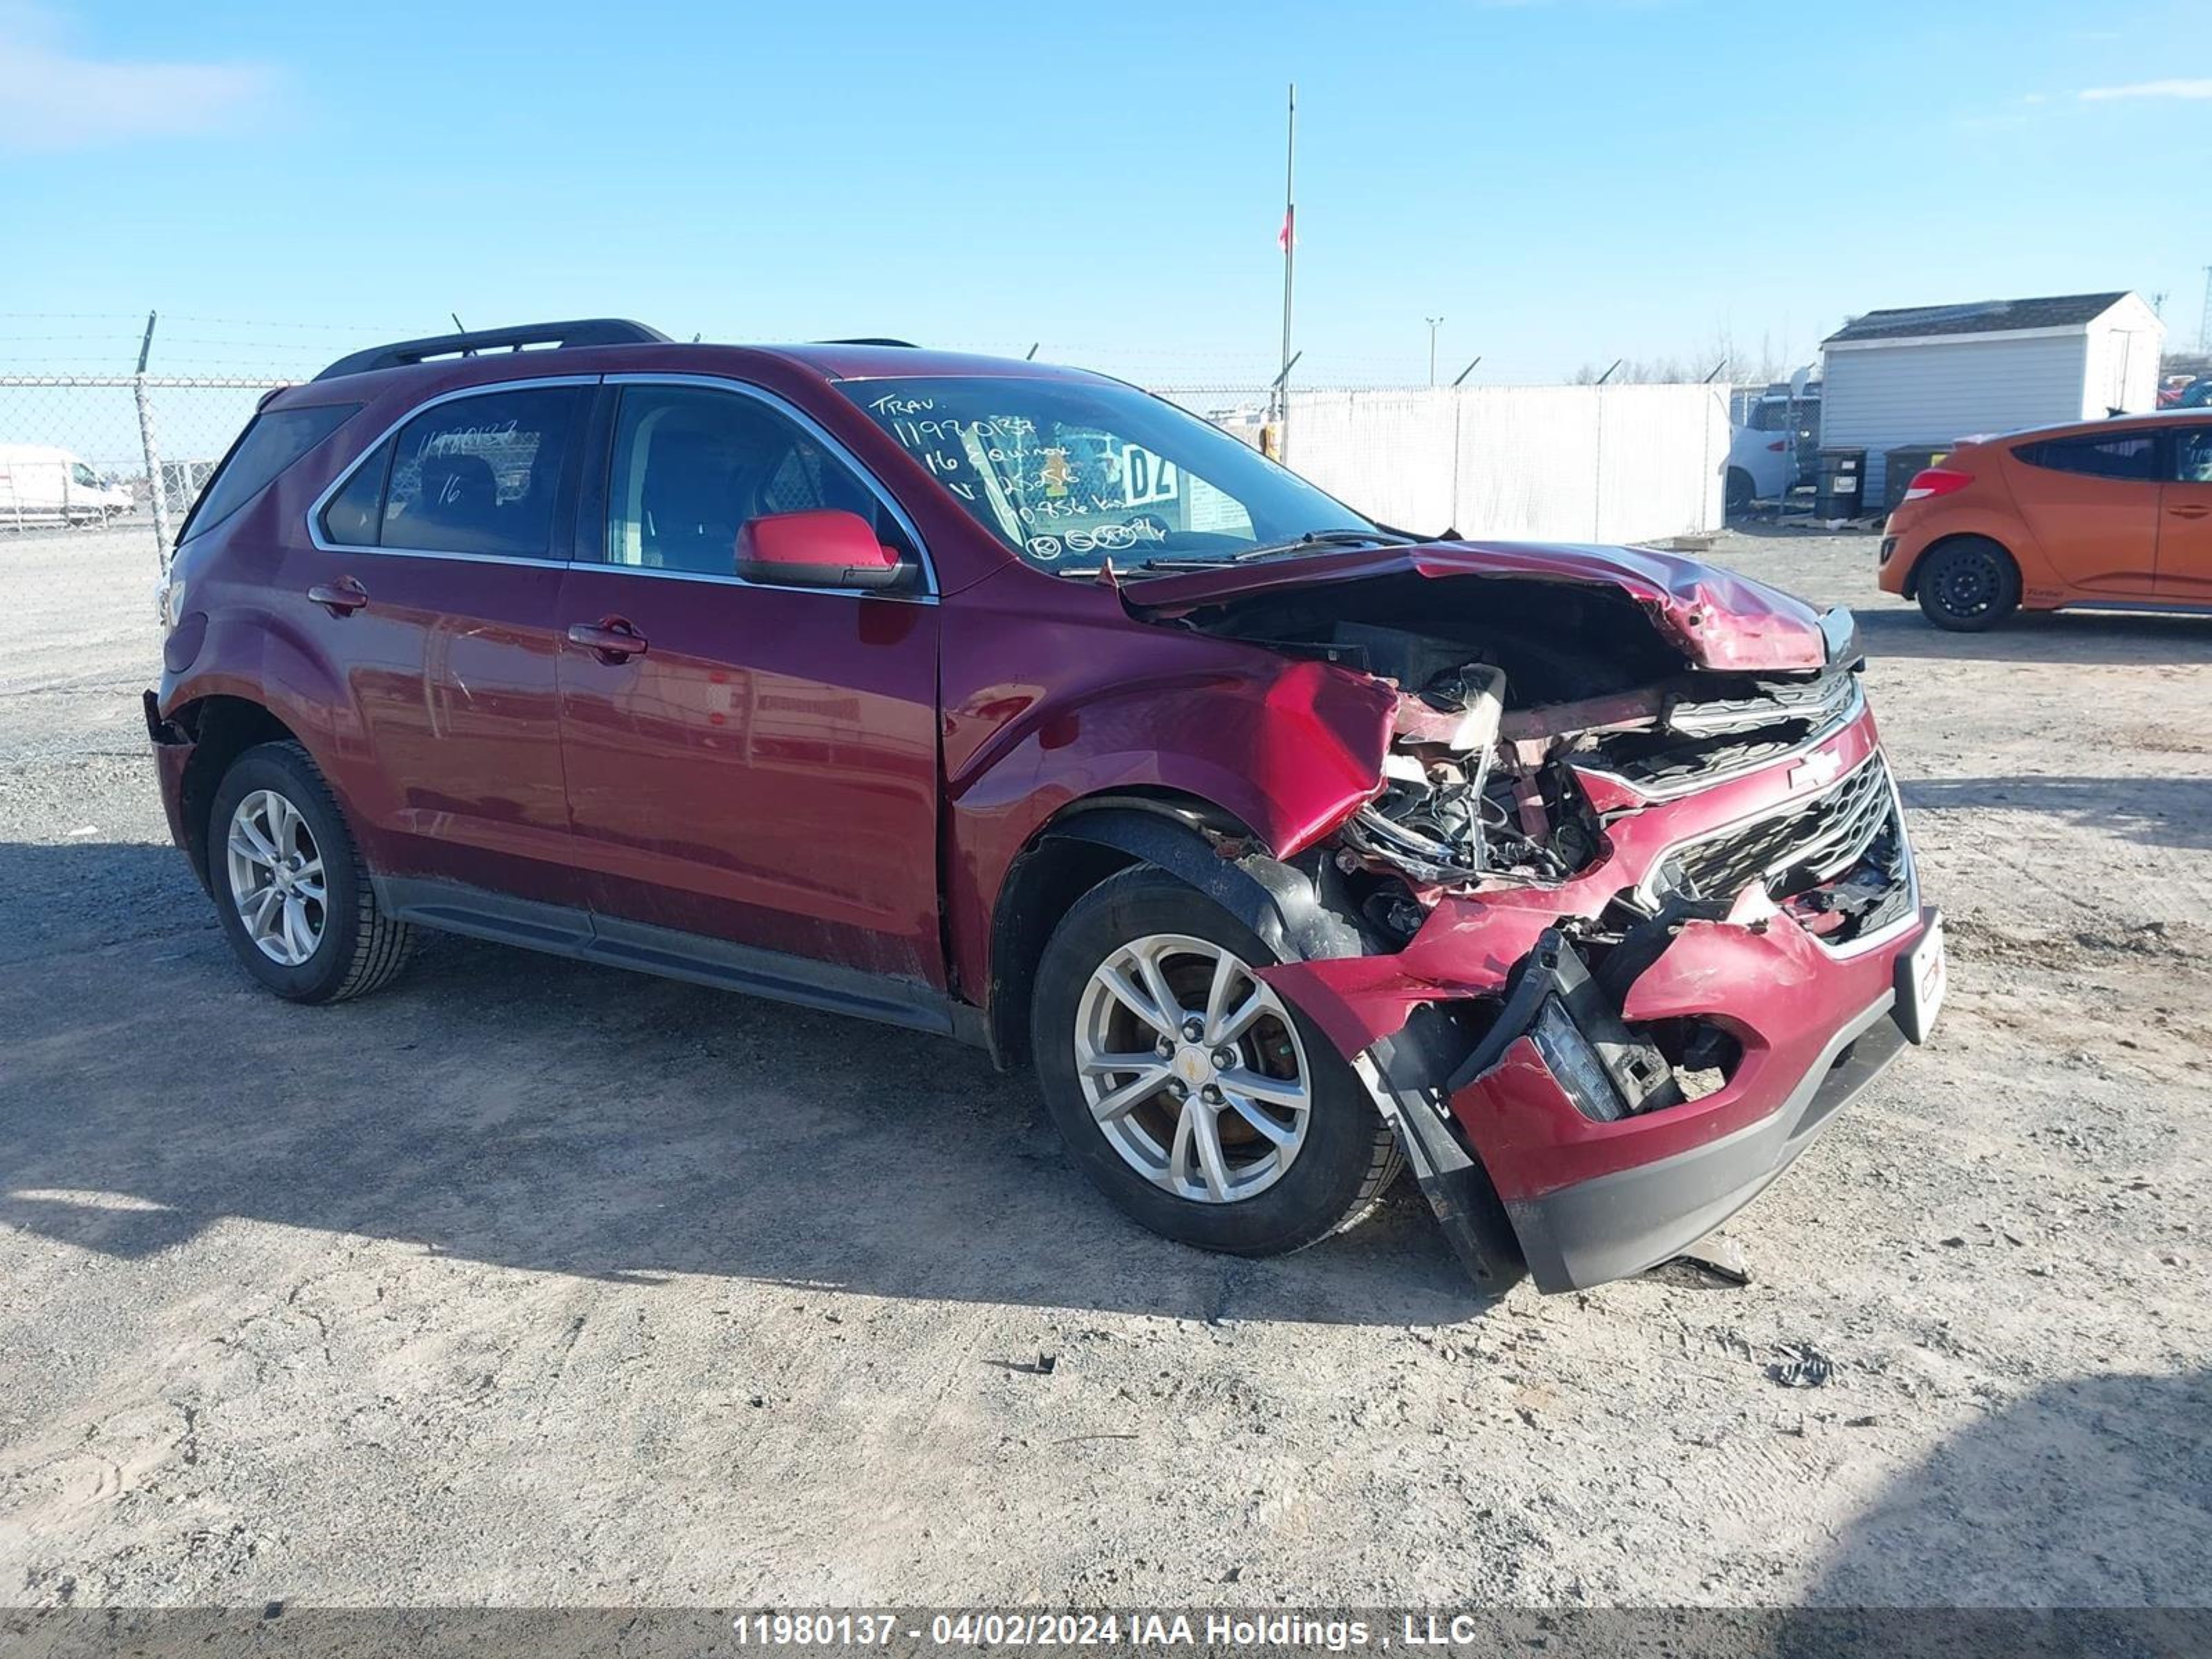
1817	769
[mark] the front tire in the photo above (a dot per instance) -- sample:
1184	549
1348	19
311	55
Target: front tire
1968	586
291	892
1187	1090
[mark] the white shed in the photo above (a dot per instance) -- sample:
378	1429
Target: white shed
1933	374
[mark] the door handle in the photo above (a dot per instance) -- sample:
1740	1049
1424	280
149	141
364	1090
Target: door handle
341	597
2191	511
611	638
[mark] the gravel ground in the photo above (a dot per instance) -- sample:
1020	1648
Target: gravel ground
529	1282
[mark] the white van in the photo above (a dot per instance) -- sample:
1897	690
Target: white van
42	485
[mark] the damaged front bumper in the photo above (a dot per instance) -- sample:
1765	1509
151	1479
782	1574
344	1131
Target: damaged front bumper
1529	1160
1593	1194
1516	1047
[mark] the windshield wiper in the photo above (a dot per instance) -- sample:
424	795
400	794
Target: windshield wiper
1312	539
1319	539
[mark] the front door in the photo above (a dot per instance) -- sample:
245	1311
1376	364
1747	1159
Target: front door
433	582
2185	519
757	764
2091	502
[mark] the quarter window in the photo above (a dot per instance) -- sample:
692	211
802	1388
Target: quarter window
475	475
272	442
354	515
2121	455
692	465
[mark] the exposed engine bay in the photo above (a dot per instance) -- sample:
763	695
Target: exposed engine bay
1518	698
1630	856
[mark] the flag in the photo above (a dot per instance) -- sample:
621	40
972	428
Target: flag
1283	236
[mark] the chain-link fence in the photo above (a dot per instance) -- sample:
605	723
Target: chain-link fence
96	473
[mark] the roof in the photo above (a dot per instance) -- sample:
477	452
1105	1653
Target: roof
831	360
1980	317
2158	420
587	346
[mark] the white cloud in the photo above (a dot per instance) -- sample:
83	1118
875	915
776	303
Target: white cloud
52	98
2148	89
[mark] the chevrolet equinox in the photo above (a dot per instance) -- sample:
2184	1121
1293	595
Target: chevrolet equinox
1010	703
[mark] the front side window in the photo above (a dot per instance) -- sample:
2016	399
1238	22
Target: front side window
1069	473
83	476
473	475
692	465
2192	454
2120	455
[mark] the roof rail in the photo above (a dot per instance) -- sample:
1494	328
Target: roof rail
585	332
906	345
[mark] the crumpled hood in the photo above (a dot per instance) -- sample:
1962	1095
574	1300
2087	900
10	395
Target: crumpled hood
1717	619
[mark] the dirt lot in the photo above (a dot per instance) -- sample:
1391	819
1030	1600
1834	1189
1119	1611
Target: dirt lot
530	1282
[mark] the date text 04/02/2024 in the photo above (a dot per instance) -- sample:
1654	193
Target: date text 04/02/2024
1166	1630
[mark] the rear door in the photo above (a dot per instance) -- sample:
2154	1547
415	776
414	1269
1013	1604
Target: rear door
2092	503
431	585
757	764
2185	518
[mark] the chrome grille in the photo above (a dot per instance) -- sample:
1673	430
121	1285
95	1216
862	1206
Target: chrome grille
1720	736
1839	853
1818	703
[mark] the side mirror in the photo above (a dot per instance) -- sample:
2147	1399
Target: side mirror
826	547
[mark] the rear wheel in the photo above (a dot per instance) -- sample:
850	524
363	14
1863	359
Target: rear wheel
291	892
1187	1090
1739	490
1968	584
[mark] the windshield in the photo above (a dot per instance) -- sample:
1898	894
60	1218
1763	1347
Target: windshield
1070	473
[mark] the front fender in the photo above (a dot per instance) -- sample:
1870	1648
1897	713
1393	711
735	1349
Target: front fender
1286	749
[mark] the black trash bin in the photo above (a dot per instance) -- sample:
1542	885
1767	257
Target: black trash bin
1900	464
1842	484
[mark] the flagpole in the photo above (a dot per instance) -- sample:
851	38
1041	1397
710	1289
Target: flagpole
1289	263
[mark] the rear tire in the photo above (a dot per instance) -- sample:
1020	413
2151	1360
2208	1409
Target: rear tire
1244	1168
1739	490
290	890
1967	584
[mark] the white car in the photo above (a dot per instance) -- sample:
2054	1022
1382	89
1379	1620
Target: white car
1766	453
40	485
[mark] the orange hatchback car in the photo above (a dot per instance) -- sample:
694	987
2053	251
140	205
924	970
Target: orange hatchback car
2116	514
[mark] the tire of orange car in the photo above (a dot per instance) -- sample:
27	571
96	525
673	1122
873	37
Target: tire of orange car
1968	584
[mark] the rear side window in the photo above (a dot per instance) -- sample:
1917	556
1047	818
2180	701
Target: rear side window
2122	455
474	475
270	443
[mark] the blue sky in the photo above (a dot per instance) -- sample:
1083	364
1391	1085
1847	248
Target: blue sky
1565	181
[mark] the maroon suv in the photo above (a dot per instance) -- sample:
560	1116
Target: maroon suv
1010	703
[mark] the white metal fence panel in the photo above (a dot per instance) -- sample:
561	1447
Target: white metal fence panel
1536	463
1550	463
1662	455
1388	454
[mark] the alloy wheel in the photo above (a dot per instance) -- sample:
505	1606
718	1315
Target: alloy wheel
1192	1068
277	878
